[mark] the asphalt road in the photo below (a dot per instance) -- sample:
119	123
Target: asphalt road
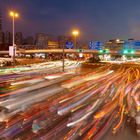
81	103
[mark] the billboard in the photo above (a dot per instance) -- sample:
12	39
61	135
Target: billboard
11	51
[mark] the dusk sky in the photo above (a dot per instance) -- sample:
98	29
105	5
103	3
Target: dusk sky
96	19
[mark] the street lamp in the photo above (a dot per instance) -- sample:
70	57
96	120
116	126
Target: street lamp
14	15
75	34
63	64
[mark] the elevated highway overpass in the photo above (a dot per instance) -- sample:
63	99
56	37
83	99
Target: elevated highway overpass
85	51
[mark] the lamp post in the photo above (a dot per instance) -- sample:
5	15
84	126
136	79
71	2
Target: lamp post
13	15
63	65
75	33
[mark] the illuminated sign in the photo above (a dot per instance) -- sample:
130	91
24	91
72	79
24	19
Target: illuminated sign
131	45
95	45
11	51
69	45
137	45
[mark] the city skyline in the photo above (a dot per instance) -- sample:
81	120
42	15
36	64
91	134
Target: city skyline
69	70
96	20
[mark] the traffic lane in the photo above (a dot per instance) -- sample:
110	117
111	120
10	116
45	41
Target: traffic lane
39	70
128	132
7	89
34	87
23	76
34	97
28	81
15	105
105	90
30	78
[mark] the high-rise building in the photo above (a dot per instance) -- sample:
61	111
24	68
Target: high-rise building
8	38
114	44
1	33
29	40
1	37
2	46
18	38
0	21
53	45
41	40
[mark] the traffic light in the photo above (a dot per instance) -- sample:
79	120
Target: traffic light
132	51
125	51
106	51
80	50
101	51
129	51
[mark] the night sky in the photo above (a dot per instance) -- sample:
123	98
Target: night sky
96	19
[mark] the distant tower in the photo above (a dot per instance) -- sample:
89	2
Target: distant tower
0	21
